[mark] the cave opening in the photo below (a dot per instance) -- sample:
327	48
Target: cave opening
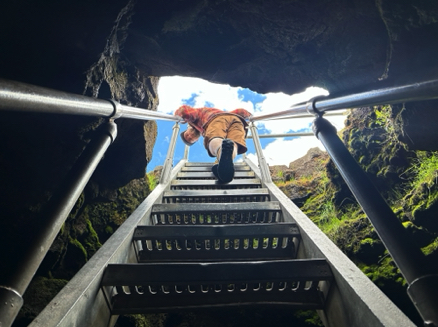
175	91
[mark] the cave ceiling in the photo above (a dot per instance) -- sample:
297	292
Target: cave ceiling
267	46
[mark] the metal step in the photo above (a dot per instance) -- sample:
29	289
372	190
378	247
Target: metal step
216	213
214	184
205	174
218	242
210	164
204	196
164	287
205	168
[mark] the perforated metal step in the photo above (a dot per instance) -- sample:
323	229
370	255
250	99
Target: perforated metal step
214	184
143	288
212	243
216	196
216	213
210	164
209	175
208	168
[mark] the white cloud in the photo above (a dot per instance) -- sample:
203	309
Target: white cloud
173	90
283	152
275	102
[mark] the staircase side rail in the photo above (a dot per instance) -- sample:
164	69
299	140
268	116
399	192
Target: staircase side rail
413	92
353	299
81	302
21	97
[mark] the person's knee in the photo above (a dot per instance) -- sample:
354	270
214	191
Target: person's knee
214	145
235	150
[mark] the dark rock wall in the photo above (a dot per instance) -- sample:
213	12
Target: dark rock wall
266	46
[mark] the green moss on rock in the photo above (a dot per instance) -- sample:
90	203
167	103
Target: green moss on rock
149	320
384	271
39	293
78	245
406	179
431	247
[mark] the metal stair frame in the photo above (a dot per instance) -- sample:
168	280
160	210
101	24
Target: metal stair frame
132	288
353	299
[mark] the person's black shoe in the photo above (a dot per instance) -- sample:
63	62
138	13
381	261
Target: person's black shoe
214	170
225	168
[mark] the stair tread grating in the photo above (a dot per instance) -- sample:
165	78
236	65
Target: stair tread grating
210	164
216	207
216	213
212	243
210	175
237	168
214	184
216	196
170	286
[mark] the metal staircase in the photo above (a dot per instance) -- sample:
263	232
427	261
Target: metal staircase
212	245
194	243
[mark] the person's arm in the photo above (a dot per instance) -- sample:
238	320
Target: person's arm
242	112
187	113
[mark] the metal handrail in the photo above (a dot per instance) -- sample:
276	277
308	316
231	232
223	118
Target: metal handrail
17	96
269	136
334	113
414	92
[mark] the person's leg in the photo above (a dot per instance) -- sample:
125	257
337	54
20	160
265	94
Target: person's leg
231	146
236	137
224	149
215	146
236	133
225	166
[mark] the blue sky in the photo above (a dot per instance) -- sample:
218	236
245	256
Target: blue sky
175	91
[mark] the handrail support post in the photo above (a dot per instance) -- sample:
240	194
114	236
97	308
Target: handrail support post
264	168
409	259
168	163
55	214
